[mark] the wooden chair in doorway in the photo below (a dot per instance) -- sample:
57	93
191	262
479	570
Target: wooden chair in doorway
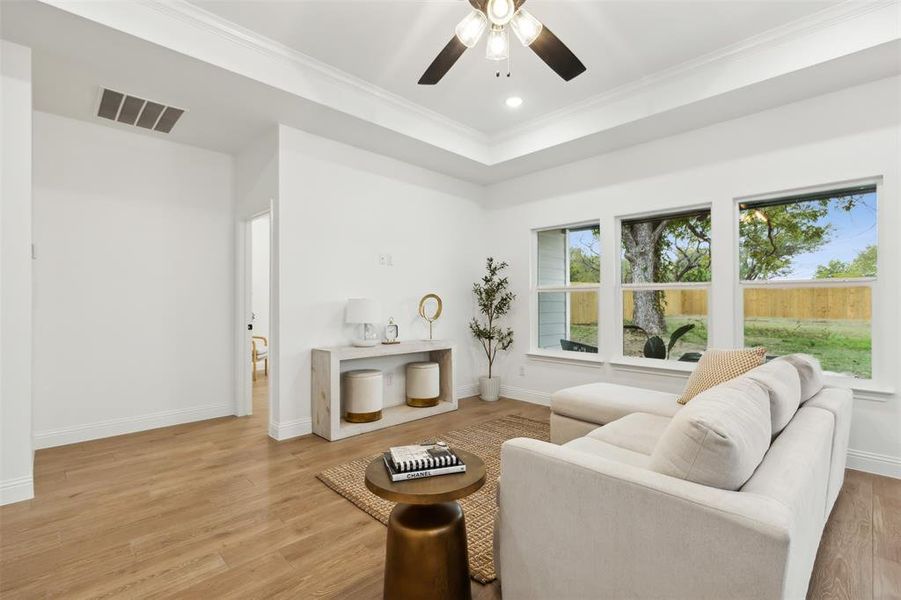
259	352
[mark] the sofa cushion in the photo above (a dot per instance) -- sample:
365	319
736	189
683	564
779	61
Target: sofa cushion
638	432
718	366
605	402
609	451
839	402
795	470
783	384
809	371
719	438
565	429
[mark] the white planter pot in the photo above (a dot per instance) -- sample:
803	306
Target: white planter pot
490	388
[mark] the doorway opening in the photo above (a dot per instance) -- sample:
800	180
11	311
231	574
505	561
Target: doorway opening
257	353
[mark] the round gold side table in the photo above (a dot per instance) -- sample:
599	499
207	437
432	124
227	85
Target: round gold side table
426	554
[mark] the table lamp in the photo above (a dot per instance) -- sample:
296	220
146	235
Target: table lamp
364	312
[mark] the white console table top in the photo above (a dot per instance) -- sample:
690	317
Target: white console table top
404	347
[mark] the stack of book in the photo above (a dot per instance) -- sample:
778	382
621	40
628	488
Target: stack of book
416	462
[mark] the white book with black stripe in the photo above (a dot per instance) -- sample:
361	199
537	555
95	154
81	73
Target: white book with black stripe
413	462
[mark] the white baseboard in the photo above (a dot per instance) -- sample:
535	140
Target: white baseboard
871	462
290	429
121	426
518	393
16	490
468	391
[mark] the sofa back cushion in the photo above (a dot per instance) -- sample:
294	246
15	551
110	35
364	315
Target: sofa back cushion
783	384
719	438
810	372
719	366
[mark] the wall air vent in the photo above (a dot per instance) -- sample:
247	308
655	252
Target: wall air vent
139	112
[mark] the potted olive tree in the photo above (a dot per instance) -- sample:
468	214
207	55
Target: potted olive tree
494	302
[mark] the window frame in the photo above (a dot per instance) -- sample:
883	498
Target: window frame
535	290
739	285
620	287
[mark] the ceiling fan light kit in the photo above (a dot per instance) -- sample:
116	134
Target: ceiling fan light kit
500	11
469	31
498	47
499	14
526	27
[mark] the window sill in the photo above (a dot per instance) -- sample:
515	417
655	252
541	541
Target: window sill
863	389
583	359
654	366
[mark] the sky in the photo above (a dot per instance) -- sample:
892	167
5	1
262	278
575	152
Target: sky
852	231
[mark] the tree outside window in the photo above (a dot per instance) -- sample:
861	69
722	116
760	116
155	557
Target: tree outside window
807	266
665	279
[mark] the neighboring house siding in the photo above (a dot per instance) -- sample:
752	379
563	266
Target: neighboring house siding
552	322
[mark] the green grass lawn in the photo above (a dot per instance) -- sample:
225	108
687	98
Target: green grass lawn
842	346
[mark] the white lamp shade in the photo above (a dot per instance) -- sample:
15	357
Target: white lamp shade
363	310
526	27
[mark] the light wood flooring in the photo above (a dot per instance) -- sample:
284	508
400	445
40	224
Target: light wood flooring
218	510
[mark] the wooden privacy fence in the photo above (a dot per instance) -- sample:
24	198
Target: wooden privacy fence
853	303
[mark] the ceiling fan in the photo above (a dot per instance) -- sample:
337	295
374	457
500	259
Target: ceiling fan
496	15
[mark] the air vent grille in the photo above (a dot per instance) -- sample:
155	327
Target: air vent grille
133	110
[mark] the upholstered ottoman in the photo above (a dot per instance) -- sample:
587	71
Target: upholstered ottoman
423	384
362	395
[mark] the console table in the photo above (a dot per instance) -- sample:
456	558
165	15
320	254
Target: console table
326	387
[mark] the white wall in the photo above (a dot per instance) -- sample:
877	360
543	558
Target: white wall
260	274
256	176
16	450
134	282
841	136
338	209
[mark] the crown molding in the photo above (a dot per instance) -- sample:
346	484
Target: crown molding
195	16
818	21
840	30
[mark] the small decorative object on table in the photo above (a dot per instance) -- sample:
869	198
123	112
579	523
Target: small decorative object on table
494	301
430	311
418	461
391	332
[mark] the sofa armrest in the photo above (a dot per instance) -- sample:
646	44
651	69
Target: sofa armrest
575	525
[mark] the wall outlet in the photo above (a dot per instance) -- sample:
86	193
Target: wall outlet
383	260
522	371
389	379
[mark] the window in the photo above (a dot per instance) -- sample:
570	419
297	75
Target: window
665	279
807	268
568	277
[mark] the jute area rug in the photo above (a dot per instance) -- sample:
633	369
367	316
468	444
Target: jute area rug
484	440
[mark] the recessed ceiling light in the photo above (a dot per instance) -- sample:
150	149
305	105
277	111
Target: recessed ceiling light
513	102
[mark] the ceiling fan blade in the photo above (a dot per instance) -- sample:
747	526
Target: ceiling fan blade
480	4
443	62
556	55
518	3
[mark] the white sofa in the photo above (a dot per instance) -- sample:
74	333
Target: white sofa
592	518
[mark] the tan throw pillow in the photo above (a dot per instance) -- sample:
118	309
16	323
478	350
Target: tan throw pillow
719	366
